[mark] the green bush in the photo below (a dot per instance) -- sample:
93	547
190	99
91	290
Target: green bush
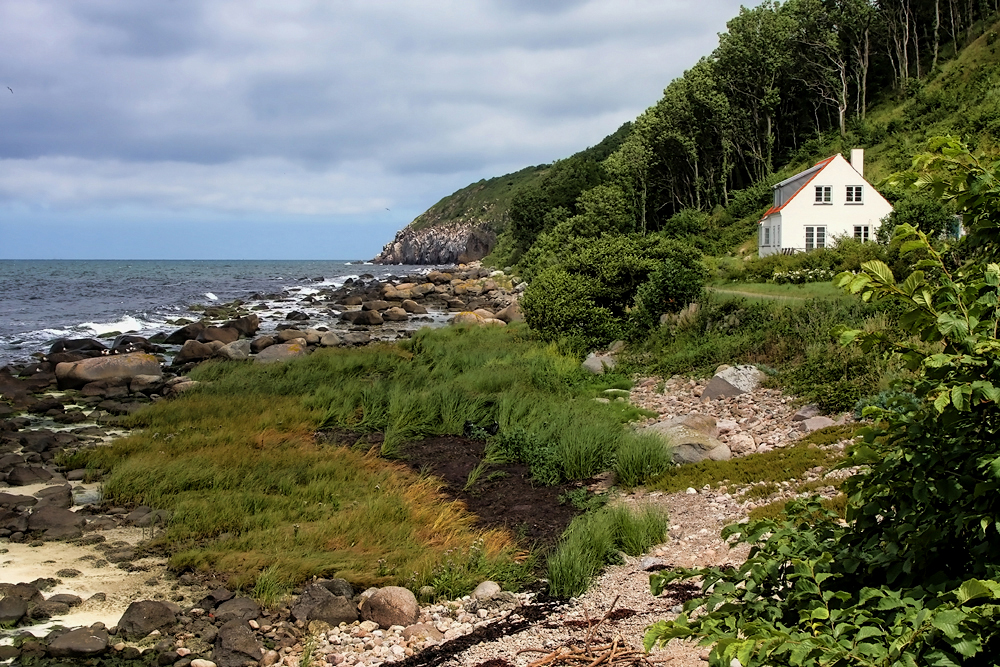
671	286
559	304
641	458
595	540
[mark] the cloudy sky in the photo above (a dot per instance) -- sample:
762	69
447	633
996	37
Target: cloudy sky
303	129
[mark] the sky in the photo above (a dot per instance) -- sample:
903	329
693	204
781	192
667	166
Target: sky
303	129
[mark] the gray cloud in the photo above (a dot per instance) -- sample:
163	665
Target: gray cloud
306	105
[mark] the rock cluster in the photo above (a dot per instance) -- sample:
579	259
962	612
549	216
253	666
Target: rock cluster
462	243
226	630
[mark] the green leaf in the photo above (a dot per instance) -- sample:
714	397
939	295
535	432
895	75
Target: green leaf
942	401
910	246
961	396
820	613
880	270
948	621
973	589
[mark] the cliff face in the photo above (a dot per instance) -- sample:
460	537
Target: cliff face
455	244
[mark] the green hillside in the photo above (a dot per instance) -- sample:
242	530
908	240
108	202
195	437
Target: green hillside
789	84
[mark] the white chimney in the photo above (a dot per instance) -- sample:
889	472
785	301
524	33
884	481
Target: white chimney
858	160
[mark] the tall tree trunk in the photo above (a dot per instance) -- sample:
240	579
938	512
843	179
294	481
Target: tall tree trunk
937	27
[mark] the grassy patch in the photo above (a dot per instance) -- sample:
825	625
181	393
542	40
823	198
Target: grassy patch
764	292
776	510
778	465
253	495
595	540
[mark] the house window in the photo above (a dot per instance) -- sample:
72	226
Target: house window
767	236
815	237
824	194
854	194
861	233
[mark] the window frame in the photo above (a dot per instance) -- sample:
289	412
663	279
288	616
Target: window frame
823	195
862	233
854	195
815	237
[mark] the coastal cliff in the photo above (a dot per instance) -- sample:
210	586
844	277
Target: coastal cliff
450	244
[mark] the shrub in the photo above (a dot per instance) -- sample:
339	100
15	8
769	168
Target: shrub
559	304
671	287
641	458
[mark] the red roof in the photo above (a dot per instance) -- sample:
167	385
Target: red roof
821	164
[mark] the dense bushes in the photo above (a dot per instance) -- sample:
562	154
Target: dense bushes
609	285
913	577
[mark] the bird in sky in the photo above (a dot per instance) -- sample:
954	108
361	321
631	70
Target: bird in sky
10	89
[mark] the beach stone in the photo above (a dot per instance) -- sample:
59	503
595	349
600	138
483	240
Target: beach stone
598	363
238	350
55	496
261	343
486	589
80	643
67	599
730	381
56	523
330	339
422	631
193	350
369	317
222	334
412	307
247	325
215	598
288	335
8	501
144	616
236	646
392	605
25	475
395	314
318	603
30	593
202	662
742	443
511	313
807	412
237	609
282	352
340	587
378	304
78	373
185	333
703	423
145	384
815	423
689	445
12	610
356	338
63	345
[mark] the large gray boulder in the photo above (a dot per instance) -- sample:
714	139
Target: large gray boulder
185	333
282	352
238	350
689	444
237	609
56	523
80	643
193	350
246	325
598	363
318	603
236	646
74	374
392	605
25	475
12	610
731	381
144	616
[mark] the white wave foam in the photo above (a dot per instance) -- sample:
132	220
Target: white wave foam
126	324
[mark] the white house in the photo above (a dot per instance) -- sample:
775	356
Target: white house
829	199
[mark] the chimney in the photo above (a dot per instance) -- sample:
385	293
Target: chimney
858	160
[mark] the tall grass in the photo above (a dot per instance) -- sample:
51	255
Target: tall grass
597	539
252	494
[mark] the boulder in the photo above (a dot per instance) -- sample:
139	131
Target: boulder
807	412
486	589
9	500
318	603
815	423
223	334
282	352
395	315
511	313
369	317
238	350
261	343
288	335
144	616
55	496
742	443
732	381
422	631
185	333
25	475
237	609
599	363
392	605
330	339
340	587
12	610
85	345
246	325
80	643
236	646
78	373
378	304
356	338
297	316
704	423
689	445
412	307
145	384
194	350
56	523
67	599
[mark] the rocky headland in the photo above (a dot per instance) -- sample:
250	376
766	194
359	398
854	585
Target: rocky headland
442	244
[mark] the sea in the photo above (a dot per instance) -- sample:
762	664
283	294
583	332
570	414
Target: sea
44	300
